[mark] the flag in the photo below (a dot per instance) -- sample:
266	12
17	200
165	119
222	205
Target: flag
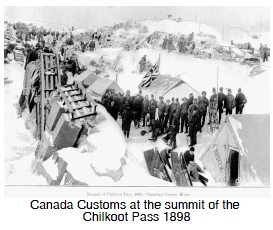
150	76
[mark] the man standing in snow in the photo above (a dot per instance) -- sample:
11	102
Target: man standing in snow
152	107
230	102
127	98
161	109
30	56
165	42
240	101
166	115
261	49
203	105
190	100
142	63
266	51
170	45
221	102
184	115
193	116
137	104
145	109
172	108
126	119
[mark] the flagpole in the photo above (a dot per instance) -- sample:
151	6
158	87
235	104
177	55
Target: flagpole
158	74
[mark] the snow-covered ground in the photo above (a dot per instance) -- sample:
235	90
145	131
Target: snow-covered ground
198	73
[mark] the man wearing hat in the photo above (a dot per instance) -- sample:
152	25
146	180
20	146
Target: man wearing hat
126	98
230	102
172	108
193	116
145	109
203	105
190	100
240	101
184	115
161	105
221	103
30	56
166	115
152	107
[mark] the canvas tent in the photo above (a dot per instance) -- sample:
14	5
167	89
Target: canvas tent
101	85
169	87
87	77
239	154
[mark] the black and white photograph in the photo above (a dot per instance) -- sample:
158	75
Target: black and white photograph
137	96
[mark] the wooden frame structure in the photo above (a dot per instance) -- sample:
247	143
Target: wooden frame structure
50	76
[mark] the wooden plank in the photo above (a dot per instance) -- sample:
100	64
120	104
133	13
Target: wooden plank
155	165
58	70
180	173
65	99
93	103
166	172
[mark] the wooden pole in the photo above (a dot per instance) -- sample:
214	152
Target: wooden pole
116	78
217	89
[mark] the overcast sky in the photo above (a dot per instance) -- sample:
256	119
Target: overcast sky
246	17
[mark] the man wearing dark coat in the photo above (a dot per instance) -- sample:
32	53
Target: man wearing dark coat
156	129
240	101
30	56
230	102
184	115
221	102
152	107
203	105
145	109
161	109
126	119
193	116
166	114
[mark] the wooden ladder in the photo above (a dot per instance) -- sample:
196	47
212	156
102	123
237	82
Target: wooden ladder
50	77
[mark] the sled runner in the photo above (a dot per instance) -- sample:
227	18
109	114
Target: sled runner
184	167
155	164
179	171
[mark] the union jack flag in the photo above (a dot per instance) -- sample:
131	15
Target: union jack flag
150	76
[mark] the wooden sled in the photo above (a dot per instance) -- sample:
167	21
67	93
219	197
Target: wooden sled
155	164
180	171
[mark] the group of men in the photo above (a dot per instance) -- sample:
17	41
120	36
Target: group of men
173	117
264	51
183	44
91	44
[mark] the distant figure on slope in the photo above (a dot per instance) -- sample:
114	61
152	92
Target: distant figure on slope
142	64
170	45
165	42
240	101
